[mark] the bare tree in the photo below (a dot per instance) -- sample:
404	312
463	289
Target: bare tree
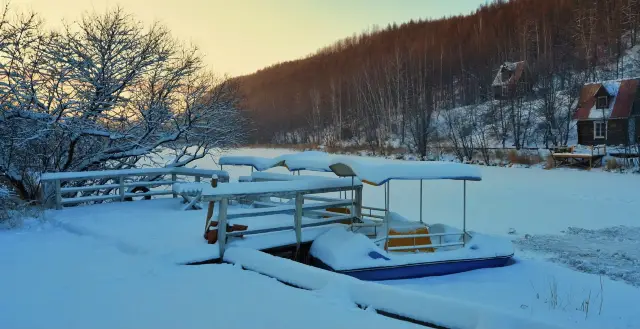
104	94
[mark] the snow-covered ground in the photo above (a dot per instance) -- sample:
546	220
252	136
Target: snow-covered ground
65	273
52	278
613	251
540	205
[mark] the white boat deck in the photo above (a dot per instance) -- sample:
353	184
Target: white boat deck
162	229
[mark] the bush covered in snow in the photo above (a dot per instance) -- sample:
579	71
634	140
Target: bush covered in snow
14	211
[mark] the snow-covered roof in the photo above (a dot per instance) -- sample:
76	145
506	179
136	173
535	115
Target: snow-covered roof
258	163
622	96
379	171
373	171
515	68
308	160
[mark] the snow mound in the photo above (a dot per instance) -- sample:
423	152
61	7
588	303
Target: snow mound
613	251
339	246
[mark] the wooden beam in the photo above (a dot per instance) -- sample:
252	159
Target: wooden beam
222	226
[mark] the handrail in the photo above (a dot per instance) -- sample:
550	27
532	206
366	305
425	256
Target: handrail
119	183
79	175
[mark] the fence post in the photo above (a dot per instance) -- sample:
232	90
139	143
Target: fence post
173	181
58	194
121	182
222	225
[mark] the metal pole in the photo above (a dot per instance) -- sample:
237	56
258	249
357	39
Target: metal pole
421	201
353	208
386	214
297	222
464	210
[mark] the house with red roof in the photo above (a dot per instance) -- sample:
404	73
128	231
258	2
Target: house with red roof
607	113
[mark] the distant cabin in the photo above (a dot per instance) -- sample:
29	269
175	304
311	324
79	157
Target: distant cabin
512	80
607	113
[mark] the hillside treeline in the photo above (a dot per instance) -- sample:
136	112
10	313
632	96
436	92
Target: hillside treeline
398	82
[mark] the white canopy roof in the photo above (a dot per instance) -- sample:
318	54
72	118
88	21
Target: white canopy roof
369	170
379	171
308	160
259	163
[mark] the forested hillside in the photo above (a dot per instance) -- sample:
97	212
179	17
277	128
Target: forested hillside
400	83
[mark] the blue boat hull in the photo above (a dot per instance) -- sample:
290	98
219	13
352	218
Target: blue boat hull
420	270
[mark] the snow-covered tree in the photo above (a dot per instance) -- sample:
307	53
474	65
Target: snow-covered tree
105	93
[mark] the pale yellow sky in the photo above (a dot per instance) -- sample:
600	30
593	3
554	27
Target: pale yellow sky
241	36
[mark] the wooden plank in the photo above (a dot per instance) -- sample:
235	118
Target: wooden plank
64	176
148	183
255	212
89	198
150	193
89	188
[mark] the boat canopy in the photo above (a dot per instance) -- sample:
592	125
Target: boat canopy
258	163
308	160
368	170
379	171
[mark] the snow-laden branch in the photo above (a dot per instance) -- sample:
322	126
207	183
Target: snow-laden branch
106	92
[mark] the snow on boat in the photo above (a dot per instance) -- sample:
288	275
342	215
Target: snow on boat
388	246
403	248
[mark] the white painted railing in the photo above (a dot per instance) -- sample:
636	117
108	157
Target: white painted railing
118	185
296	190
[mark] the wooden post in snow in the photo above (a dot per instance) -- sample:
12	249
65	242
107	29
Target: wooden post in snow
222	225
214	184
173	181
121	188
58	195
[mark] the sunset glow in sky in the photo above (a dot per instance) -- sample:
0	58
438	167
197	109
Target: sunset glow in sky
241	36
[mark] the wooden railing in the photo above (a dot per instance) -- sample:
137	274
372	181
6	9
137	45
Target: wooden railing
72	187
296	190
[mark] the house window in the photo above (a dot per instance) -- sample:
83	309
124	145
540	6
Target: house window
603	102
599	130
505	91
